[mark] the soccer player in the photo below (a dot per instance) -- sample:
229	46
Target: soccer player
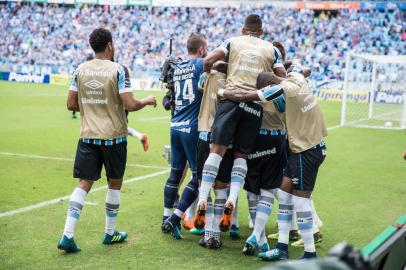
265	172
237	122
317	223
210	219
184	135
98	91
307	151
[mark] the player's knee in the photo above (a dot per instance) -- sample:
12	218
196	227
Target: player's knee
218	149
220	185
115	184
175	176
86	185
302	193
286	184
239	155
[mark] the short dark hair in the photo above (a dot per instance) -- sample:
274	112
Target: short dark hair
253	23
99	39
194	42
264	79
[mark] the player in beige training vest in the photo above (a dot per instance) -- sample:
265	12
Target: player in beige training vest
99	92
237	122
306	130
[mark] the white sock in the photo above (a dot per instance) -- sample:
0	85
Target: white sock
112	205
208	227
209	174
238	174
235	215
219	201
264	210
178	212
77	199
252	205
190	212
132	132
262	239
284	216
293	225
303	211
167	212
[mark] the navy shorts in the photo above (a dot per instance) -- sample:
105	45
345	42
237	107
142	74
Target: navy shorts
184	147
90	159
302	167
266	163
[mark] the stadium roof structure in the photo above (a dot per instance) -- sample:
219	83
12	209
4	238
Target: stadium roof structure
396	59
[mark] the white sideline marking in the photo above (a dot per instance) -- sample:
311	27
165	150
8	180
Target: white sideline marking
71	160
334	127
57	200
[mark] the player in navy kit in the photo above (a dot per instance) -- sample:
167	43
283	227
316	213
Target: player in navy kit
184	134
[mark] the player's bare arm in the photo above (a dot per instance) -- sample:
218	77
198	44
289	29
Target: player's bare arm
73	103
239	95
212	58
131	104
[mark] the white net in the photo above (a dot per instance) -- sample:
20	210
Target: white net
374	92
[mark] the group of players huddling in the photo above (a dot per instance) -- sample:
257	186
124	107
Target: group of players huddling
242	116
254	119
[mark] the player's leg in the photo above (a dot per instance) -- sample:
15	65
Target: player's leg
208	227
221	189
247	131
190	193
318	238
263	211
87	167
309	162
220	194
252	199
224	125
114	159
182	179
203	151
252	186
178	162
235	226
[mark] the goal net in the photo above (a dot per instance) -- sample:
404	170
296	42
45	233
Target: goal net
374	94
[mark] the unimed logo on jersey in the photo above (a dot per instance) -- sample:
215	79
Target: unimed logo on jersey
250	110
259	154
93	84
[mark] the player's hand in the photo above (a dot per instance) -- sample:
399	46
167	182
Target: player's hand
404	155
150	100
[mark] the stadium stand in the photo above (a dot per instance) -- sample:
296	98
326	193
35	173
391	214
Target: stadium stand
51	38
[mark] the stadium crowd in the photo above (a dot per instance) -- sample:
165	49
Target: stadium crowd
45	38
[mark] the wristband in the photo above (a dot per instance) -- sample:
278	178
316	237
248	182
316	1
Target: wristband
221	92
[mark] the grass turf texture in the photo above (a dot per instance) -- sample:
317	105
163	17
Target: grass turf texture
359	192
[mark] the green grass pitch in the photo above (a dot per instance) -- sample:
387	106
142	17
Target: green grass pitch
360	190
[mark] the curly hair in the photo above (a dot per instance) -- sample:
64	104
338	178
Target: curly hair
99	39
